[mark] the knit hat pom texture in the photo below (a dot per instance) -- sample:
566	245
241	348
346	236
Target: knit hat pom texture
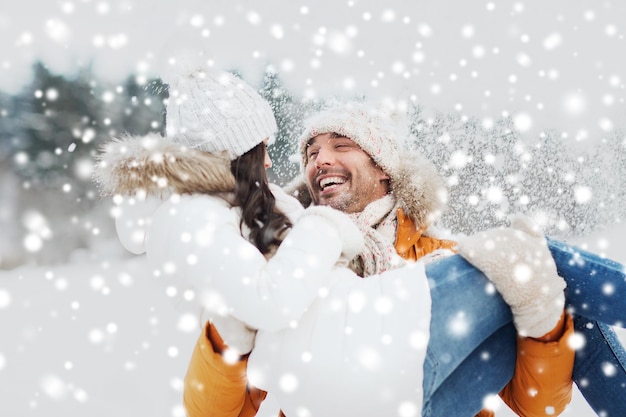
215	111
377	131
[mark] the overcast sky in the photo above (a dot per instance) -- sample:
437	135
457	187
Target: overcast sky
552	65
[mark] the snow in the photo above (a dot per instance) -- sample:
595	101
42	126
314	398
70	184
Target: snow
101	336
548	66
95	338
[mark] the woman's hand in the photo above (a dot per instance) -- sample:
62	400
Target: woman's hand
518	262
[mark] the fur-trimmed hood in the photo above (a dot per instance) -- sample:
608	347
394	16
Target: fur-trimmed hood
416	184
146	171
157	166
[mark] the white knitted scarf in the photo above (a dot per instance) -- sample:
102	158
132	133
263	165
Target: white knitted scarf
378	223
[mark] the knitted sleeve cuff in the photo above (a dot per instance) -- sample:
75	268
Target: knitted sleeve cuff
556	333
215	343
540	348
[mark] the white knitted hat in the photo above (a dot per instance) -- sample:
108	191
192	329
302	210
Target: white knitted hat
214	111
377	131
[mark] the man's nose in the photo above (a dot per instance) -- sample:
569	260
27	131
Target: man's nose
324	158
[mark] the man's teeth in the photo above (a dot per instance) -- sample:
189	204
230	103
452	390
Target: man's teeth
331	181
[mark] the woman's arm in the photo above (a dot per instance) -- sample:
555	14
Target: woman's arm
199	238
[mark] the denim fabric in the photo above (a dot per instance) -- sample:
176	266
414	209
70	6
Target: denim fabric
599	369
595	286
472	348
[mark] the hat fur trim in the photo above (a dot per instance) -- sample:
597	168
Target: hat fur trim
157	165
420	189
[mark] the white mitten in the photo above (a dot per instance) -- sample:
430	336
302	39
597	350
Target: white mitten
518	262
352	241
286	203
235	333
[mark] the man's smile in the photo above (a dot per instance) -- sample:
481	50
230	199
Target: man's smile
330	182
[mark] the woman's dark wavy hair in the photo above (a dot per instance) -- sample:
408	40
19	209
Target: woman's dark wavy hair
266	223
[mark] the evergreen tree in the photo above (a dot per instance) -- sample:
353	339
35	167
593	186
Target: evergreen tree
50	134
143	109
605	169
289	120
7	126
54	128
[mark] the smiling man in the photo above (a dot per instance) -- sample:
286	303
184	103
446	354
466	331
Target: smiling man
354	159
342	175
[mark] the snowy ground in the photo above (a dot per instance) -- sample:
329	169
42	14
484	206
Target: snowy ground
101	337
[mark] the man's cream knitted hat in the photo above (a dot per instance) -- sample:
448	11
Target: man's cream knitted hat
376	131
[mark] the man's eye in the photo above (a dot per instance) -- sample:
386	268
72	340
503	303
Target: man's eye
312	154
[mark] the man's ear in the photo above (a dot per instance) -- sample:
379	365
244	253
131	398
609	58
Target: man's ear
382	175
385	180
